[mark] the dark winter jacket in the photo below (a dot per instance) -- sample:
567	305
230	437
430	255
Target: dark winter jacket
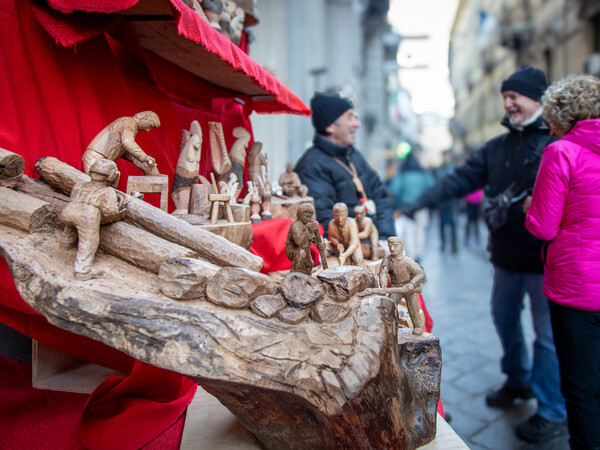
328	183
511	157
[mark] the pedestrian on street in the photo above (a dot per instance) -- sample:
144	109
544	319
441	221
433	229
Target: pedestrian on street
506	166
334	171
564	212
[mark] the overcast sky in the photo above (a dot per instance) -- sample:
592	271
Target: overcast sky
428	81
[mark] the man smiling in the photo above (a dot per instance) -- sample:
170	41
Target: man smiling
334	171
507	165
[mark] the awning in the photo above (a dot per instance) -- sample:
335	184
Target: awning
172	30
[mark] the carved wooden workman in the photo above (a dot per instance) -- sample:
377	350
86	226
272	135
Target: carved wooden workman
367	231
302	232
117	140
92	203
343	237
290	183
404	273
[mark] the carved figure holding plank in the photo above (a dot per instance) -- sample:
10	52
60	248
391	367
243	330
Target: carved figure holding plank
406	278
303	231
92	203
117	140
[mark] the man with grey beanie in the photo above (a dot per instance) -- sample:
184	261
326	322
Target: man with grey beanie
506	167
334	171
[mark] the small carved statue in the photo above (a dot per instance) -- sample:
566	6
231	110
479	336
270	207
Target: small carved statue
213	10
229	7
256	160
224	161
290	183
406	278
368	234
117	140
187	169
302	232
343	237
253	199
237	25
92	203
230	188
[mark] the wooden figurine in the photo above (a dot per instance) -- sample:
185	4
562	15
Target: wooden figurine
343	237
256	160
367	231
290	183
226	162
187	169
92	203
302	232
253	199
237	25
406	279
117	140
229	7
213	10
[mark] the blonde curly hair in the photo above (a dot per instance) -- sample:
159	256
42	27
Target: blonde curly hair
574	98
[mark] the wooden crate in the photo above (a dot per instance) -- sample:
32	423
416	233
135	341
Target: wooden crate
54	370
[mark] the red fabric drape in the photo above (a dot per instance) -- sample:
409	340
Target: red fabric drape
71	22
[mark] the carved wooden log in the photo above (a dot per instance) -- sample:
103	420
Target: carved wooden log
268	305
234	287
343	282
185	278
26	212
312	385
58	174
209	246
301	290
12	166
139	247
43	191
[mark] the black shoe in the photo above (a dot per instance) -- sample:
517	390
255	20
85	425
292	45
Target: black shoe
537	429
506	396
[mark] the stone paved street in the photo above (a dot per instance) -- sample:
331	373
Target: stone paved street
457	296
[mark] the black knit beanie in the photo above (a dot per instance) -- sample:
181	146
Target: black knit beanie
528	81
326	108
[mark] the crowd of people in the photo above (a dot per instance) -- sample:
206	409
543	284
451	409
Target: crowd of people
540	180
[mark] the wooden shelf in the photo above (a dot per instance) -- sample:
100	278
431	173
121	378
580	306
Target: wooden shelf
57	371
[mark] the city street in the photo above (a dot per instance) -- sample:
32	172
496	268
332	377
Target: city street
457	295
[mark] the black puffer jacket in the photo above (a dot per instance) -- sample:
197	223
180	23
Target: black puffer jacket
511	157
328	183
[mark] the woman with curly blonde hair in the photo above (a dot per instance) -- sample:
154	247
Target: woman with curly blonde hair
565	212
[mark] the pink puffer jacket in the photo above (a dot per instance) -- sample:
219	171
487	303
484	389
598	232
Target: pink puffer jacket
565	209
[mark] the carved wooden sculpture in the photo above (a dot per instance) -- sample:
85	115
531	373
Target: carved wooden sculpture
187	169
214	248
11	168
406	278
302	232
92	203
303	362
290	183
237	25
117	140
343	238
224	162
256	160
367	231
213	10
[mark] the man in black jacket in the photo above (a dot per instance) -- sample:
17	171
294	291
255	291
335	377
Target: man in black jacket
334	171
508	164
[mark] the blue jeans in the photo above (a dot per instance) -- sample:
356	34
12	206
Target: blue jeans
543	375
